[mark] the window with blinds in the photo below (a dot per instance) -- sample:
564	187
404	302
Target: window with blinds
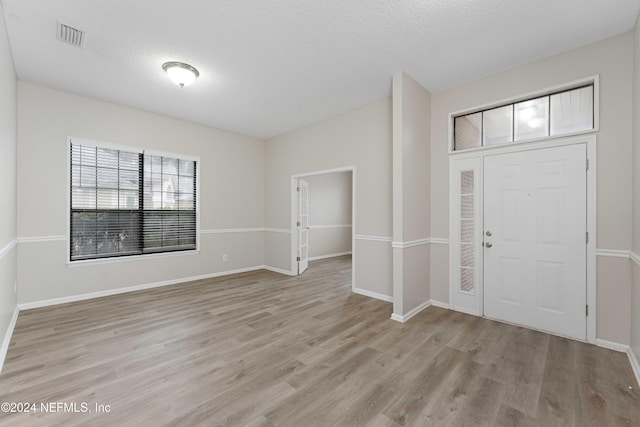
130	203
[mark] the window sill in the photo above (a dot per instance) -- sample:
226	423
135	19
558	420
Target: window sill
114	260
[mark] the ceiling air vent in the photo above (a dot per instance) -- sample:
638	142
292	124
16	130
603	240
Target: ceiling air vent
70	35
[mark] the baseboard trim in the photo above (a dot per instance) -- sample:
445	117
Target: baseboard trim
622	348
371	294
279	270
410	314
467	311
109	292
635	366
635	258
7	337
440	304
316	258
397	318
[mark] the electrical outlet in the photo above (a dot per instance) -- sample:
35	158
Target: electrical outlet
224	258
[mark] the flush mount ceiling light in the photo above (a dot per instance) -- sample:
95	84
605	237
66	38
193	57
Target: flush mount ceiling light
180	73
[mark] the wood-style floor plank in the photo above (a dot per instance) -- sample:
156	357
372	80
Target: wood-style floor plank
262	350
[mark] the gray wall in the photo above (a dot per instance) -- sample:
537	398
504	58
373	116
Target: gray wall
360	138
635	265
329	214
231	194
411	210
8	228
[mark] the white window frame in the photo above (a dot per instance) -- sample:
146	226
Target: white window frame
133	149
592	80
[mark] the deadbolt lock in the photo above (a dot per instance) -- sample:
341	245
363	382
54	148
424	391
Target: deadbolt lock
488	233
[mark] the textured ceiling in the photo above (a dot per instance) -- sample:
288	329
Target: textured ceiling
270	66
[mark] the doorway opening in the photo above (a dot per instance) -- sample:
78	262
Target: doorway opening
322	217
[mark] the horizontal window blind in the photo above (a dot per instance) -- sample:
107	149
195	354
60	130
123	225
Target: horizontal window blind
129	203
169	216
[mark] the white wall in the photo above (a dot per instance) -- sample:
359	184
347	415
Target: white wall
411	210
231	194
635	265
360	138
612	60
329	214
8	228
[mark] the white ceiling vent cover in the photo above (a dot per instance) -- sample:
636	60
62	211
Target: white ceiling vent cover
70	35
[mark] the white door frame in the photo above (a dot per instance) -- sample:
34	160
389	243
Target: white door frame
590	142
302	226
294	216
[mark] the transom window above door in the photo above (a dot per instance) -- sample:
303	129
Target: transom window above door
561	112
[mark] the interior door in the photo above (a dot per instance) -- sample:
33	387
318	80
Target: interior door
535	239
303	225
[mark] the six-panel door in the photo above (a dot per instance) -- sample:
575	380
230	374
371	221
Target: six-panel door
534	234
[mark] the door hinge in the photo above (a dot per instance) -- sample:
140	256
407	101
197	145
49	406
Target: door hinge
586	237
297	188
298	259
586	309
587	164
298	223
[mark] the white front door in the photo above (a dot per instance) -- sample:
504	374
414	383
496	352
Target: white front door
303	225
535	239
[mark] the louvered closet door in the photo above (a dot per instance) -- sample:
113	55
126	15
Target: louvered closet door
535	247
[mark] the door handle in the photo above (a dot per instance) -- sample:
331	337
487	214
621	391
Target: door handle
488	244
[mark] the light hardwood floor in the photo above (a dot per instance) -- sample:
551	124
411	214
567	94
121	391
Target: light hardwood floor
261	349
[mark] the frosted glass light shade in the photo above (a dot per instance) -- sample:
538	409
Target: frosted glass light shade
180	73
